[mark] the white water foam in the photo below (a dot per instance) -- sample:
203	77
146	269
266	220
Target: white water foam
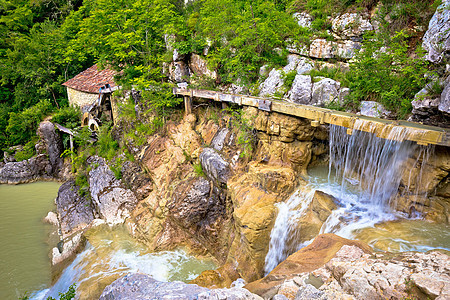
364	175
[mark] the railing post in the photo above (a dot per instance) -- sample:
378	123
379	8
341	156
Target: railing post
187	105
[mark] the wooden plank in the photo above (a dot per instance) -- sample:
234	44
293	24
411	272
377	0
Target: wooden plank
422	134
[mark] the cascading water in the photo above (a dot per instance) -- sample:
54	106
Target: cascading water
364	174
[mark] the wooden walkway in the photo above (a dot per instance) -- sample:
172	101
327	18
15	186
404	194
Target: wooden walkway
421	134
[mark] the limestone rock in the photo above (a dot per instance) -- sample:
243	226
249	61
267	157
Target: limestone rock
219	140
51	218
303	19
346	49
444	104
304	65
297	48
139	286
26	171
139	181
179	71
214	166
374	109
195	205
74	212
350	25
272	84
53	144
312	257
112	200
325	91
301	89
293	61
321	48
436	40
199	66
67	249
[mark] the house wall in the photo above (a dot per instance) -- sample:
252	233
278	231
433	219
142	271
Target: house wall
79	98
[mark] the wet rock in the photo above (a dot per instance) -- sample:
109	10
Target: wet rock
303	19
199	66
350	25
321	48
51	218
53	144
214	166
179	71
67	249
325	91
74	212
374	109
312	257
139	286
111	199
436	40
301	90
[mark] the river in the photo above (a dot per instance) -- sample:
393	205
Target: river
24	249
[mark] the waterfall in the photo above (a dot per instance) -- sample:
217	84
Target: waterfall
364	174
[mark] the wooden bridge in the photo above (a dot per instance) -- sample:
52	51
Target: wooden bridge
421	134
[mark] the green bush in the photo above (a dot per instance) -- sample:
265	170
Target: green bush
385	72
68	116
22	126
28	151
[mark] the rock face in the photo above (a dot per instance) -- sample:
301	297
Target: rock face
350	25
139	286
436	40
321	48
52	143
444	103
200	67
301	89
112	200
26	171
179	71
74	212
214	166
41	166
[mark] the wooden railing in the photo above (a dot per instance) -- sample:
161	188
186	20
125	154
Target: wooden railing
419	133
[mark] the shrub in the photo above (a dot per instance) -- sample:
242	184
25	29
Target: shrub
22	126
68	116
384	72
28	151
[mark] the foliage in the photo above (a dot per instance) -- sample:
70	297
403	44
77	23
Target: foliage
384	72
253	30
27	152
22	126
199	170
68	116
246	136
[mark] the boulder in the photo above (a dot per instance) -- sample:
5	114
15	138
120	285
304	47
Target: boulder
436	40
53	144
199	67
134	177
214	166
26	171
179	71
321	48
374	109
140	286
350	25
272	84
325	91
303	19
112	201
74	212
301	90
346	49
444	103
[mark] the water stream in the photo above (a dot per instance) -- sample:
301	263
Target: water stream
364	175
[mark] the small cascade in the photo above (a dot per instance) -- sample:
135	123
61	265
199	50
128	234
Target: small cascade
365	174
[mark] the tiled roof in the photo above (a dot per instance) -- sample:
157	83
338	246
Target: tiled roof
90	80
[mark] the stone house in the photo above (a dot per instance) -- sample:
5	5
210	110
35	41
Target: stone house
83	89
